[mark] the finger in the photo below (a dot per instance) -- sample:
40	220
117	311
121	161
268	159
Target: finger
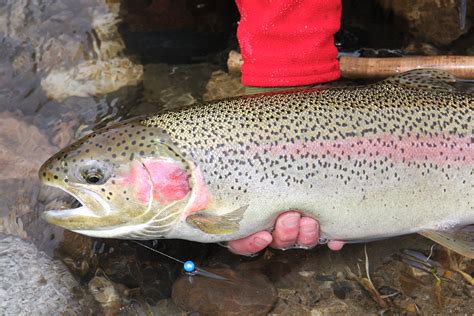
335	245
309	232
251	244
286	230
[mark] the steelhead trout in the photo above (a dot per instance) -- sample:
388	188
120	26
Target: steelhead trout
387	159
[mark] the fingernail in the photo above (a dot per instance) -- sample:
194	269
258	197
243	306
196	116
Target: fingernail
262	241
291	221
308	228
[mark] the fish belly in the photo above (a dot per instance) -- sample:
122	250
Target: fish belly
383	205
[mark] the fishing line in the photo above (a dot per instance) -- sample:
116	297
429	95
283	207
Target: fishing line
188	266
161	253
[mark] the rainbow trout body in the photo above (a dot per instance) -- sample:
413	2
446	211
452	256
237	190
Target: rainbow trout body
387	159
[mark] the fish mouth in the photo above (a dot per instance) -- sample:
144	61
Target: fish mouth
85	221
66	213
52	216
83	216
100	222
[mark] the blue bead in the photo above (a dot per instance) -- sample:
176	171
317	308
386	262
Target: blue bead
189	266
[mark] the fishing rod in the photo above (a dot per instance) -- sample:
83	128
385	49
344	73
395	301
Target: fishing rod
353	66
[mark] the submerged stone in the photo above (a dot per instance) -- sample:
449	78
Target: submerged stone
246	293
32	282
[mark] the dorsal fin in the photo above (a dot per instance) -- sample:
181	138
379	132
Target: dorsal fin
426	79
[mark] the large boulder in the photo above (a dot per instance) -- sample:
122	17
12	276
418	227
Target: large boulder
436	22
73	47
246	293
33	283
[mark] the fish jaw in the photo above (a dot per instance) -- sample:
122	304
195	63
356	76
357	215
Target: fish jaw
64	218
120	232
70	218
92	205
87	222
55	215
81	218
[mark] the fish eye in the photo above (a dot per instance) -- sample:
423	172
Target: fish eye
92	172
93	176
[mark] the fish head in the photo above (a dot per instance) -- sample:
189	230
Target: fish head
127	177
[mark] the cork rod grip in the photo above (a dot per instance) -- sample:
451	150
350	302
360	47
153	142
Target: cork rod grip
361	67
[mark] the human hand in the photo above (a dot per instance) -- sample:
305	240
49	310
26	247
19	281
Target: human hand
290	229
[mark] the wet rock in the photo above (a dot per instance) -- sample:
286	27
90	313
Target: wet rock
173	86
117	299
105	293
64	132
137	267
247	293
143	16
331	290
122	268
23	148
77	253
177	31
168	307
155	15
83	34
417	48
32	282
111	296
52	29
107	71
335	307
18	141
342	289
289	303
235	62
223	85
307	274
176	86
91	78
436	22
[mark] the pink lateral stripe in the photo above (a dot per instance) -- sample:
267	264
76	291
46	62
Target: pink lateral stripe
437	150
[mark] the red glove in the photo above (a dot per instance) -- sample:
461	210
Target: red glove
288	42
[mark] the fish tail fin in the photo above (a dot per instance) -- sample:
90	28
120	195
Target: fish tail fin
460	241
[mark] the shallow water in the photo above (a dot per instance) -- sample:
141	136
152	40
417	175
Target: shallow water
38	39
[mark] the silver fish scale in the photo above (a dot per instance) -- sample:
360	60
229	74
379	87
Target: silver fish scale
223	136
256	150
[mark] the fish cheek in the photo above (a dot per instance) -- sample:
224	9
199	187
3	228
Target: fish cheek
121	201
170	180
159	180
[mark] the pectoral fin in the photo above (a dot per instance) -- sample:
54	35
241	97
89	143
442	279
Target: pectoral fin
213	224
460	241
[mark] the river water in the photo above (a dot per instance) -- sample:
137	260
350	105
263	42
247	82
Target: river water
66	68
